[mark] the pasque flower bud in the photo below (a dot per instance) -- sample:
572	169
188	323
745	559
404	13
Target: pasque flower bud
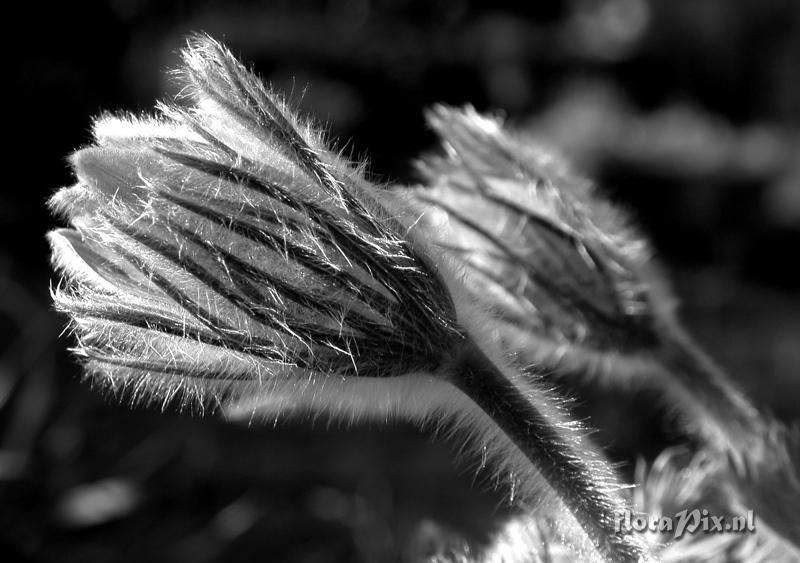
221	254
570	287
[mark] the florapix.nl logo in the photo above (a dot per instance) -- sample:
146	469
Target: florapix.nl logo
687	521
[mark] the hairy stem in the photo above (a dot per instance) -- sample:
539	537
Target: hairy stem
543	444
737	424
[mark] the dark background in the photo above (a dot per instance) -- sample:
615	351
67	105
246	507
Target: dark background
686	111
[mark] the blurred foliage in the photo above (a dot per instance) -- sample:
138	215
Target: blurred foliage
688	112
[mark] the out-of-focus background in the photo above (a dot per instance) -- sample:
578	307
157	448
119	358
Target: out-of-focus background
687	112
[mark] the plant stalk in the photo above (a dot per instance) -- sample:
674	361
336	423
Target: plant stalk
564	468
